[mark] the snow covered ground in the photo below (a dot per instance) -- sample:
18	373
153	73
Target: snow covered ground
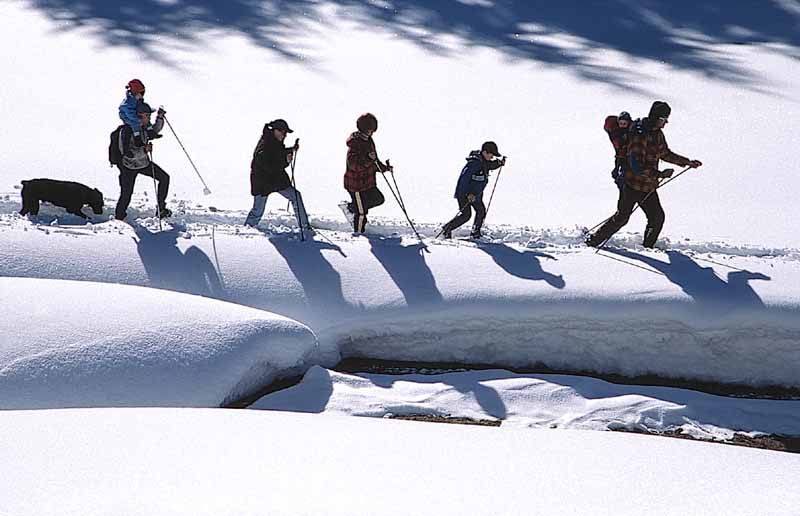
536	401
81	344
681	314
191	461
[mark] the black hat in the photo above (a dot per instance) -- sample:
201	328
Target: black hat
490	147
625	116
144	107
280	124
659	109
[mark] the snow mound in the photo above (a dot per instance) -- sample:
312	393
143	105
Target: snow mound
536	401
678	314
83	344
210	462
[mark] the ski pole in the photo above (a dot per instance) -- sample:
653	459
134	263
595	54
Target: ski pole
399	201
294	187
155	188
493	189
636	206
206	191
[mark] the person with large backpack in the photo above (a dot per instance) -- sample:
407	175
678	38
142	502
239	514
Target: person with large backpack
469	190
618	128
268	173
646	147
359	176
132	157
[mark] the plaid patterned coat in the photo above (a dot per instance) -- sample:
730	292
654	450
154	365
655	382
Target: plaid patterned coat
646	146
360	173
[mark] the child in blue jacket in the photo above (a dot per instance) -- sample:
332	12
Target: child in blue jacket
134	93
469	190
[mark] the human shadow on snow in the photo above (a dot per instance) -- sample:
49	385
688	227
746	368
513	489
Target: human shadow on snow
567	33
702	283
407	268
522	264
191	272
321	283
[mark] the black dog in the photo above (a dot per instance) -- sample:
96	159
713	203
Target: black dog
66	194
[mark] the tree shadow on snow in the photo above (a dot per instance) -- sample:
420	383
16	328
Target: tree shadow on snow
569	33
321	283
407	268
522	264
702	283
191	272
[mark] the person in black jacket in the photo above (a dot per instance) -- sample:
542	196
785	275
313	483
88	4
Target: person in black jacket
268	172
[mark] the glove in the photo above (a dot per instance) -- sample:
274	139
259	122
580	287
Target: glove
695	163
161	111
667	172
503	161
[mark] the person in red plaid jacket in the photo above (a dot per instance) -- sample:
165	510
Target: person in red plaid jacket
646	147
359	178
617	128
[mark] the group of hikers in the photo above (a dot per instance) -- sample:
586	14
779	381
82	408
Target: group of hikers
639	145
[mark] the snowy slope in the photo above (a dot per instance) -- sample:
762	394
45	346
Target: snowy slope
709	317
212	462
536	401
537	77
81	344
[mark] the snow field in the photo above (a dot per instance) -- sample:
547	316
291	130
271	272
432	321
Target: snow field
677	314
210	462
84	344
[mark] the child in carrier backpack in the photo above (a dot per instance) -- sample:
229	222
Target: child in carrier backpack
134	93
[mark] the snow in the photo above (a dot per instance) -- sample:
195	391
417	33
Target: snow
680	314
82	344
538	79
536	401
204	461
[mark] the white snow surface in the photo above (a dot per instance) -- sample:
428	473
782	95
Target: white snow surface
82	344
681	313
223	462
536	401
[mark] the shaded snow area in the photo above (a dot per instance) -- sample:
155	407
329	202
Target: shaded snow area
209	462
700	316
81	344
536	401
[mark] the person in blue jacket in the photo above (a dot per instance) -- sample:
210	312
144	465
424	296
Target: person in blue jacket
134	94
469	190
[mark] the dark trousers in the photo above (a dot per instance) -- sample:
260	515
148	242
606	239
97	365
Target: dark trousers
127	180
628	199
361	203
466	213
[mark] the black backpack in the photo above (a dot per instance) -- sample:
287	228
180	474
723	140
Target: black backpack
114	154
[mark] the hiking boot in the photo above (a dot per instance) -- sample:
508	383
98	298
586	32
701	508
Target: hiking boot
164	213
476	234
592	240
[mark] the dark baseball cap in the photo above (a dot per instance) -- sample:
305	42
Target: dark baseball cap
280	124
490	147
144	107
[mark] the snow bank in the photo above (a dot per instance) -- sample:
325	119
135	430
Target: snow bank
209	462
82	344
536	401
707	317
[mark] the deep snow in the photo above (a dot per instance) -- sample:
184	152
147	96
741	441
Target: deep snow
82	344
196	462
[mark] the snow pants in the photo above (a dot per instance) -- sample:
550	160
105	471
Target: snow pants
127	180
361	203
260	204
465	214
628	199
